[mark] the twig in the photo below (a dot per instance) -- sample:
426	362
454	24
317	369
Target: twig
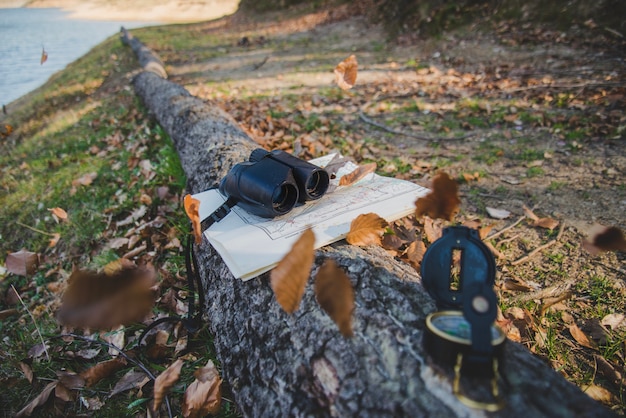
409	134
503	230
34	229
504	241
540	248
260	64
113	346
126	356
45	349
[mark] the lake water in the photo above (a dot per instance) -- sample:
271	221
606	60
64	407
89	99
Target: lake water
25	31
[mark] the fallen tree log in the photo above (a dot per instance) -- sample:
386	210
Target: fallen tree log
299	365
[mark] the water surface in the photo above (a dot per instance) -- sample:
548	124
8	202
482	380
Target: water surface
25	31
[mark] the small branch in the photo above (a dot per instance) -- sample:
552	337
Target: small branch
45	349
260	64
540	248
409	134
504	241
503	230
34	229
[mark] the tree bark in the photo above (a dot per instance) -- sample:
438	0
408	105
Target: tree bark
299	365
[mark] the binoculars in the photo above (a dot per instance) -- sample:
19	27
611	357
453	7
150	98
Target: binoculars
272	183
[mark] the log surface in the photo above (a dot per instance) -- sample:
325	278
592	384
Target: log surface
299	365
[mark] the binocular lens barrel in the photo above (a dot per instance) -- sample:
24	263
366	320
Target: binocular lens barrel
312	181
265	188
271	183
284	198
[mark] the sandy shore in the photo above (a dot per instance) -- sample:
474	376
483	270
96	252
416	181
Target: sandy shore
169	11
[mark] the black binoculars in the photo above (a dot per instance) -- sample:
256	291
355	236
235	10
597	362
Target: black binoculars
271	183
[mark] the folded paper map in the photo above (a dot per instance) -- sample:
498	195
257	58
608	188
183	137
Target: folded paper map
251	245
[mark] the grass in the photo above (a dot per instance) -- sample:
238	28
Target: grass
84	121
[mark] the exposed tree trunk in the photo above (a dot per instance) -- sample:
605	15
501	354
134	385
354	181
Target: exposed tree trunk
281	365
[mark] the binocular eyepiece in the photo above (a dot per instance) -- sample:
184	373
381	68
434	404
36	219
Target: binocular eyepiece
271	183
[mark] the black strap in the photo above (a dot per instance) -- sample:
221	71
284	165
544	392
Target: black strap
193	322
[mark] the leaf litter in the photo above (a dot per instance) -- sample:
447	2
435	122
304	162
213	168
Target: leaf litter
312	130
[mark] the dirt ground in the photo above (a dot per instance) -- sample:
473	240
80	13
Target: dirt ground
540	117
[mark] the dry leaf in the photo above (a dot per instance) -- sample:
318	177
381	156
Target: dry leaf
614	321
345	73
164	382
442	202
131	380
85	180
101	370
27	370
603	238
498	213
598	393
392	242
192	207
44	56
547	223
59	213
204	395
580	337
433	230
366	229
71	380
335	295
357	174
22	263
288	278
415	253
92	404
54	240
123	294
40	400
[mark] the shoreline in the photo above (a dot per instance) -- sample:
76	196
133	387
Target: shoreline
162	11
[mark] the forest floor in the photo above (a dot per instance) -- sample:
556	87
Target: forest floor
529	120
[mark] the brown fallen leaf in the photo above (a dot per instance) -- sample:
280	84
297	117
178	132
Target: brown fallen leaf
71	380
123	294
58	214
288	279
432	229
164	382
356	175
604	238
54	240
580	337
204	394
615	321
346	72
335	295
40	400
547	223
22	263
101	370
598	393
85	179
392	242
366	229
131	380
415	253
44	56
442	202
192	207
27	370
